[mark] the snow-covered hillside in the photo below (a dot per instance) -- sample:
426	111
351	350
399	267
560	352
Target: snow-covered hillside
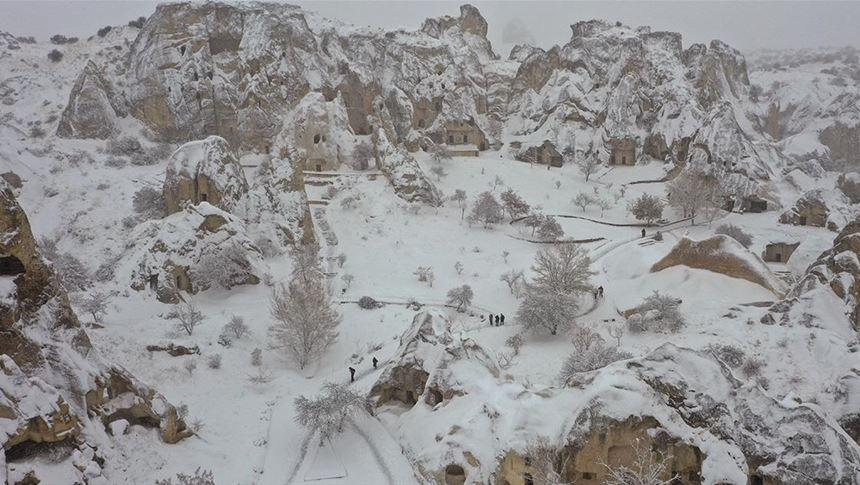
180	196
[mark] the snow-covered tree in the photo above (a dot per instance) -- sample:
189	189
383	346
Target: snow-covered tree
545	310
514	279
657	313
362	156
648	468
458	267
461	297
187	316
305	321
328	412
590	355
306	263
226	266
550	229
496	183
486	210
534	221
583	200
735	233
95	303
588	166
460	198
347	279
440	153
648	208
563	269
695	191
514	205
70	271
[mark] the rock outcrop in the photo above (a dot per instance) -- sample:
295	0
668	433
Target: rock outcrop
204	171
93	107
53	384
721	254
191	250
810	210
405	174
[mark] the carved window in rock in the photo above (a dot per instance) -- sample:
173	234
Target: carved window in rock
316	138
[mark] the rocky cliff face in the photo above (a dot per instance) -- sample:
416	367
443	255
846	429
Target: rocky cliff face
54	387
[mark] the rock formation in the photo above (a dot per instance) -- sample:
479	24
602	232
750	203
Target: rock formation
809	210
404	173
53	384
93	107
189	250
721	254
203	171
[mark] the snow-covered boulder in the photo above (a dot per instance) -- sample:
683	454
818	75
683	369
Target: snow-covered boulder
204	171
724	255
93	108
52	381
192	250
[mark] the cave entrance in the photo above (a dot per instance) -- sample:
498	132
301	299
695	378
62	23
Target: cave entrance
11	266
455	475
26	450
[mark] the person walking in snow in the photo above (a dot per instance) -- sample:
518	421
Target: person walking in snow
600	292
503	318
643	232
497	320
375	361
351	374
491	319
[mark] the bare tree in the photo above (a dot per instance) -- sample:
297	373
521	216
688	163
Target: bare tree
200	477
460	296
588	166
648	468
149	203
438	171
306	263
458	267
236	327
602	204
95	303
226	266
563	269
514	205
425	275
187	315
695	191
513	278
616	332
347	279
534	221
550	229
460	198
646	208
583	200
328	412
362	154
547	466
305	321
589	355
497	181
486	210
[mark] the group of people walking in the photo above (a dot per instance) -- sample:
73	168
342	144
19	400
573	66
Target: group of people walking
352	370
496	320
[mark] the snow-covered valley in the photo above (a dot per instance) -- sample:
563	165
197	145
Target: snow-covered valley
213	213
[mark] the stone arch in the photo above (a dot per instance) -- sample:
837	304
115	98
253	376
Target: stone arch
455	475
421	123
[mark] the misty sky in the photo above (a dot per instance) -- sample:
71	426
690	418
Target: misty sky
746	26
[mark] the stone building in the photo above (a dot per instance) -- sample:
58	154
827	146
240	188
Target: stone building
754	204
203	171
464	138
809	210
544	154
622	151
778	252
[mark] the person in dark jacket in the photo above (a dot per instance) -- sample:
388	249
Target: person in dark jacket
375	361
351	374
643	232
503	318
497	320
491	319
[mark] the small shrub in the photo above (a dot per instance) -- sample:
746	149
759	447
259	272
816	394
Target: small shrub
752	367
59	39
203	477
732	356
257	357
190	366
137	23
125	145
116	162
214	361
26	39
368	303
658	313
37	132
735	233
104	31
236	328
224	340
148	202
